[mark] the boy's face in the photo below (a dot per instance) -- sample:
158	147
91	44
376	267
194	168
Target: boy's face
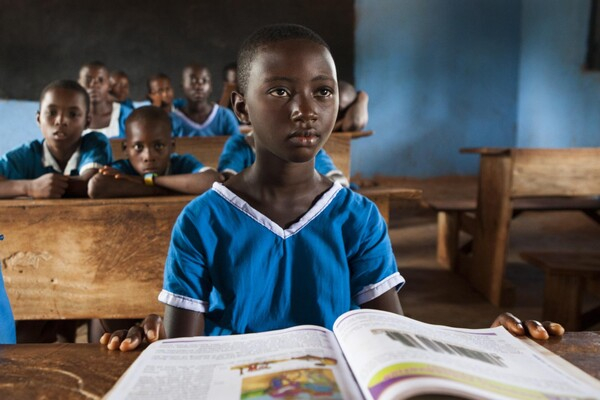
96	81
161	93
197	84
291	99
119	86
148	146
62	118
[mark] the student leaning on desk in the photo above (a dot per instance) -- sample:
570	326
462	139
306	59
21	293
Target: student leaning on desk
279	244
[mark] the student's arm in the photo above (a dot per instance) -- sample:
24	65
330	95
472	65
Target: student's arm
197	183
103	186
356	116
47	186
388	301
78	185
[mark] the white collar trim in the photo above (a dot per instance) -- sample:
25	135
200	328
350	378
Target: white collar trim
195	125
247	209
48	160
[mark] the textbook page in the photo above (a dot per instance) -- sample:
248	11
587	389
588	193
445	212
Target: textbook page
302	362
395	357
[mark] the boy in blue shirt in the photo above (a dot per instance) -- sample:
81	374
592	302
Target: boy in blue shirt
151	167
7	324
278	244
119	88
200	116
160	94
107	117
62	163
238	154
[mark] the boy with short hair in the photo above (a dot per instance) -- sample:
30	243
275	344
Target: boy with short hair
278	244
151	167
200	116
62	163
107	117
119	88
238	154
160	94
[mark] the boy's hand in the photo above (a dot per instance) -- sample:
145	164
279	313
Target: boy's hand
151	328
531	328
48	186
108	171
115	173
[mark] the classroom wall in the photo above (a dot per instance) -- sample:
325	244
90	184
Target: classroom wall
441	75
559	101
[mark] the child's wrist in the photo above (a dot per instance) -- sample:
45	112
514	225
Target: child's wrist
149	179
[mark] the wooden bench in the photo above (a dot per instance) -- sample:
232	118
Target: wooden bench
86	258
512	181
566	278
338	146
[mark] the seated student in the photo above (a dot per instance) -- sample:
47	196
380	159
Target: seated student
7	326
278	244
107	117
62	163
238	154
151	167
229	84
200	116
160	94
353	113
119	88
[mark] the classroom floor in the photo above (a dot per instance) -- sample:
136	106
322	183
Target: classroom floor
435	295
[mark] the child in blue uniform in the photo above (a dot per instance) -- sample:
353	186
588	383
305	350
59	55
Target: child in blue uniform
278	244
107	117
200	116
151	167
119	88
7	325
238	154
160	94
63	162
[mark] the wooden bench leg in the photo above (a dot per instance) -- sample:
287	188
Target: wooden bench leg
447	239
562	300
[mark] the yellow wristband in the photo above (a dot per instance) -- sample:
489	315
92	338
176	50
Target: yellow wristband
149	178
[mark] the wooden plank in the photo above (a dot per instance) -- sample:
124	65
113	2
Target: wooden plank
72	259
556	172
447	239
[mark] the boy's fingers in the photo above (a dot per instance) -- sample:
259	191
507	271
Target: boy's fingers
115	339
133	339
105	338
153	328
510	323
536	330
553	328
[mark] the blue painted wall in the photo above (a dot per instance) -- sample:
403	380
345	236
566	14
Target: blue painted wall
441	75
559	102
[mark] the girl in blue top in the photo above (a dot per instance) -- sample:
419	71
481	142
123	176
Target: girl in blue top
278	244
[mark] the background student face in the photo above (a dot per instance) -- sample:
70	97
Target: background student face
161	93
62	118
197	84
96	81
148	146
291	99
119	86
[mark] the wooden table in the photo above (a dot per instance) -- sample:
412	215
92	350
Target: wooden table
88	371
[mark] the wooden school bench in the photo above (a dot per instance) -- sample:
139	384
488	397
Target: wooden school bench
512	181
338	146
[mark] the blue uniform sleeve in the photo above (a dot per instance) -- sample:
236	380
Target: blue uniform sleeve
7	327
373	269
95	151
187	283
20	163
125	111
324	164
236	156
176	125
185	164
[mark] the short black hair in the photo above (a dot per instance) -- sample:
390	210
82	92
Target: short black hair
67	84
227	67
96	64
266	35
154	77
153	114
119	73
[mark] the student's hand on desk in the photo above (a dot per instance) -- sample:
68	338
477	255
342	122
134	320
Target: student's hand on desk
151	328
48	186
116	174
531	328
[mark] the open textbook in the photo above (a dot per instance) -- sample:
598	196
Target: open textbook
369	355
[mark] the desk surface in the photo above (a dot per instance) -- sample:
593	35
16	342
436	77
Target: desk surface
84	371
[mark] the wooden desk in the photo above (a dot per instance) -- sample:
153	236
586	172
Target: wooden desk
88	371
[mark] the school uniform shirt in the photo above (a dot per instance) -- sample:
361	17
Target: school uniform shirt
238	155
247	274
178	164
220	122
7	321
32	160
116	126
